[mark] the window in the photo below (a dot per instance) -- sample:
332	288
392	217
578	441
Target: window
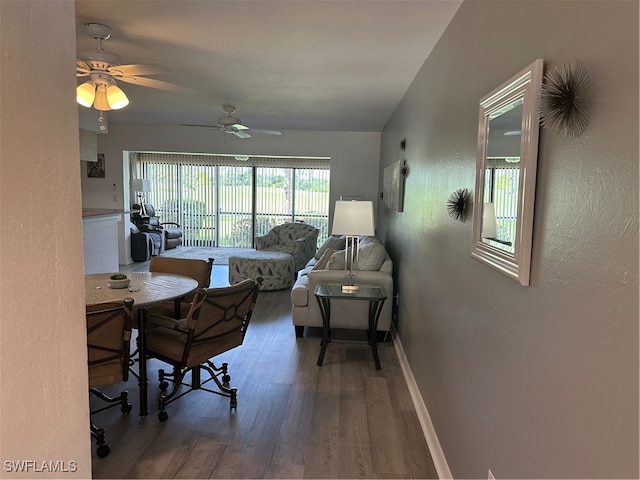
220	201
501	189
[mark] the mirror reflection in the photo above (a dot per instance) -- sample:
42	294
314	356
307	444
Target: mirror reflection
502	176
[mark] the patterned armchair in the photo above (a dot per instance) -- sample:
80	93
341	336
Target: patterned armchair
295	238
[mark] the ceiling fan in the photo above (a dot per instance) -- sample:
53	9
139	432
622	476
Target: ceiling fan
230	124
103	68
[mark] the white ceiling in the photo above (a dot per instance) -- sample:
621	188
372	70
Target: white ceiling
285	65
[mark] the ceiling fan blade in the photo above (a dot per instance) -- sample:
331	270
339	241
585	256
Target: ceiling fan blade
217	127
239	126
139	69
83	67
241	134
266	132
159	84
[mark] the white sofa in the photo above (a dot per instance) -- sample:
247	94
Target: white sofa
327	266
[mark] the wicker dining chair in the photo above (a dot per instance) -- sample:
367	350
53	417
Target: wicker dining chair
108	338
217	322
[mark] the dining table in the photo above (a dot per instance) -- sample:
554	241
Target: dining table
146	289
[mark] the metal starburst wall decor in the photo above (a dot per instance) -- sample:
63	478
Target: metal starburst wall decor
564	99
458	204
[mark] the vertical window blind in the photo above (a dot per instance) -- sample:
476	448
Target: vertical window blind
221	201
501	189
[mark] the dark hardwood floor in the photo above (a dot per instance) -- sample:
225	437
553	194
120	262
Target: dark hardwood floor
294	419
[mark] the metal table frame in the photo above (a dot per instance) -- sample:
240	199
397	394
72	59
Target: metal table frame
325	292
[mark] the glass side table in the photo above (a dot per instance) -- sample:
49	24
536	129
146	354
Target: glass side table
325	292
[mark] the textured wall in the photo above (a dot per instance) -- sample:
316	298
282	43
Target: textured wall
538	381
43	359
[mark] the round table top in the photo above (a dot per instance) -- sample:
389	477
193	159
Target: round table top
145	288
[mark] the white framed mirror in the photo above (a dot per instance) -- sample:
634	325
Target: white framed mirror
506	166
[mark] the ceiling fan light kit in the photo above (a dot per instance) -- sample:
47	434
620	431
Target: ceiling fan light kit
103	94
104	67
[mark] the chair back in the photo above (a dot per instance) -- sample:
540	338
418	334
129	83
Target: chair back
289	232
108	338
218	319
199	270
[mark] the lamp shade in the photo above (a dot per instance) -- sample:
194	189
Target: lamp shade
489	226
353	218
101	102
116	97
85	94
140	185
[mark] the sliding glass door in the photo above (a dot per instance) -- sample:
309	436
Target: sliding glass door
221	202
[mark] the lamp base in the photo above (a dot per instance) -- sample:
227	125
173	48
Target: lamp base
350	288
141	203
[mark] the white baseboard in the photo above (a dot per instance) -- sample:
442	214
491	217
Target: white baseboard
435	449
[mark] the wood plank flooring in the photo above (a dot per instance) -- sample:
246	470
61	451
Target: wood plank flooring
294	419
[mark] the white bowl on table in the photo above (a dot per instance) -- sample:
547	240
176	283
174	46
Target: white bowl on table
124	283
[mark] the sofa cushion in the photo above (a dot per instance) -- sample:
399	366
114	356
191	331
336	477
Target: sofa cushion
334	242
324	259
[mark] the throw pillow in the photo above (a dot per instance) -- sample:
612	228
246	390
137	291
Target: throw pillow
336	262
324	259
371	256
332	243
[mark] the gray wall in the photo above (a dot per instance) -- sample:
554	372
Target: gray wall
538	381
349	152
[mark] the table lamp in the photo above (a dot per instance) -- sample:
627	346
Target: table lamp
352	219
140	186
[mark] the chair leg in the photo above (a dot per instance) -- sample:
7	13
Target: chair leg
226	378
134	357
233	400
163	383
98	433
122	399
177	377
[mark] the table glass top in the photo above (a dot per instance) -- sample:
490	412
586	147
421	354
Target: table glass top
365	292
145	288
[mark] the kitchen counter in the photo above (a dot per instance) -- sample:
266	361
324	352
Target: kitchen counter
100	239
100	212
